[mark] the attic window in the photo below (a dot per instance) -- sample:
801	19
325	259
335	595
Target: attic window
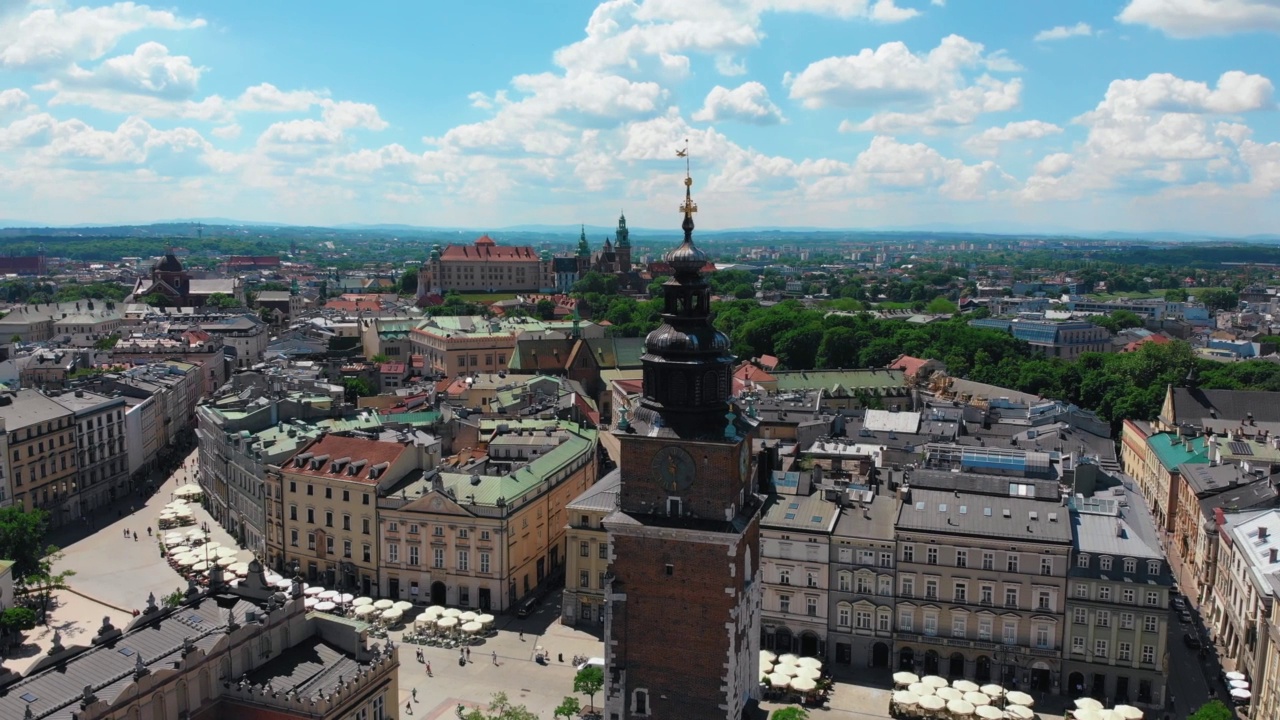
964	509
126	651
1033	515
986	512
920	505
28	698
1007	513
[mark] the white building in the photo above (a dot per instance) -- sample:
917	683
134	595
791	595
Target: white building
1248	577
795	538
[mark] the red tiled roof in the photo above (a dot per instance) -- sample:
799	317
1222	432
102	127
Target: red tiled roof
354	305
335	447
253	261
1157	339
750	373
486	249
768	362
392	368
908	365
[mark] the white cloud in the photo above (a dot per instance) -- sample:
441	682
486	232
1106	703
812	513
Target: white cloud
124	103
48	141
931	88
227	132
1062	32
730	67
749	103
1236	92
54	36
12	100
1198	18
150	70
988	141
346	115
266	97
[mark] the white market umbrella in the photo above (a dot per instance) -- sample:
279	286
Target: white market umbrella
468	616
239	568
1020	712
384	604
472	627
226	552
988	712
1020	698
200	566
310	603
345	598
786	669
808	672
211	546
905	697
485	619
788	658
959	707
766	667
325	606
1241	684
921	689
174	538
365	610
451	612
977	699
932	703
779	681
1105	714
1128	712
225	562
1087	713
362	601
329	595
424	620
182	512
392	616
195	534
284	583
812	662
1087	703
993	690
803	684
934	681
949	694
188	491
1233	675
313	591
446	623
965	686
402	605
436	610
1241	694
767	655
903	678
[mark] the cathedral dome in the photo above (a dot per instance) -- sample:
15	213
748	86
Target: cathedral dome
669	340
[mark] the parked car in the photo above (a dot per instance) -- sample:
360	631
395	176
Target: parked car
526	608
1179	603
1184	616
1191	641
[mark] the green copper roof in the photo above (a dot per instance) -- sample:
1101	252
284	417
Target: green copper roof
1171	451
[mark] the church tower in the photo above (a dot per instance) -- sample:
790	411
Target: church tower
584	254
682	624
622	244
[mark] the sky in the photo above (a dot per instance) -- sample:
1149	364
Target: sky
982	115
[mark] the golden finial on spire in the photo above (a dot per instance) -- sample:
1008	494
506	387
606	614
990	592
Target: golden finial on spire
689	206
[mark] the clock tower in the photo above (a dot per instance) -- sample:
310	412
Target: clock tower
682	622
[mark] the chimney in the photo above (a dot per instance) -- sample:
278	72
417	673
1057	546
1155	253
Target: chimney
1262	534
1275	554
904	493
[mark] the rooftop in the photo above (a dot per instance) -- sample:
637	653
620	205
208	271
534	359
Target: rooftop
1173	451
812	513
352	459
957	513
29	407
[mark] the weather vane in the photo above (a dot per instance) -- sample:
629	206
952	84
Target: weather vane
689	207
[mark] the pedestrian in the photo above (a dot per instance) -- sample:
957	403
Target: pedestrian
135	537
429	669
468	654
521	636
495	657
148	531
414	692
408	708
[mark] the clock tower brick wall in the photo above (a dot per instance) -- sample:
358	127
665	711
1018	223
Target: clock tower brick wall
717	482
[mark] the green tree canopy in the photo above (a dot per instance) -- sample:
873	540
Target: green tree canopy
408	284
1219	298
793	712
589	681
500	708
22	539
357	387
1212	710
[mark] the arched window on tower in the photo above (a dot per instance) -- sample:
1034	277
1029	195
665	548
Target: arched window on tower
678	390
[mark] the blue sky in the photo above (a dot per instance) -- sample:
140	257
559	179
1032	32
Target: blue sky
968	114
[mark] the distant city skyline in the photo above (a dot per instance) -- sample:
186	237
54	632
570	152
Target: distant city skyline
1117	115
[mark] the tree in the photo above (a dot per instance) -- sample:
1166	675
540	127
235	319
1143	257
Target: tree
1219	298
409	282
589	681
568	708
500	708
941	306
1119	320
1175	295
45	581
222	301
545	309
790	713
1212	710
22	539
357	388
156	300
379	359
174	599
17	618
106	343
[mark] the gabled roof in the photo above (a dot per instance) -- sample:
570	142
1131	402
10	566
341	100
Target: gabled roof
365	460
543	355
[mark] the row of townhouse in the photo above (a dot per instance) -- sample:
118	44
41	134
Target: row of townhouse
1026	587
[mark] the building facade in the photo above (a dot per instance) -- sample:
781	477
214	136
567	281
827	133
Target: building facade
587	555
42	454
863	578
485	267
795	549
102	456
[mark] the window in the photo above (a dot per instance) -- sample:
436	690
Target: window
844	582
908	586
1153	567
842	615
1102	618
930	625
346	548
1128	596
885	585
1100	648
958	625
931	556
864	620
462	533
886	559
1126	621
1130	566
1104	593
464	560
393	526
988	561
1043	639
1077	644
811	606
365	499
906	620
1104	563
364	525
1153	598
931	589
784	576
1079	616
328	519
811	580
866	557
1011	597
393	552
1082	591
484	535
845	555
1046	566
378	708
1043	600
584	579
584	549
1013	563
311	489
293	512
311	516
438	531
413	528
784	601
311	541
1150	623
293	538
961	592
366	552
346	496
437	558
984	628
603	550
882	620
1148	654
328	493
864	584
988	594
640	702
1010	632
484	562
908	553
1124	651
962	558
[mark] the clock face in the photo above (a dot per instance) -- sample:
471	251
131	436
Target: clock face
673	469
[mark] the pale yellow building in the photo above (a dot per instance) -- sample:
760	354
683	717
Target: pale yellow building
587	559
42	453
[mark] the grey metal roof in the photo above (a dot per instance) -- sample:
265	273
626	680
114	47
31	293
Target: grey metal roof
30	407
983	484
1205	479
813	513
1257	494
601	496
307	668
962	513
1130	532
872	521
